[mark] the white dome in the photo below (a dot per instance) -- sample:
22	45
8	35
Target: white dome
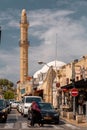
36	73
55	64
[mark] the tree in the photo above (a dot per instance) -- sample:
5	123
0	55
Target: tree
7	86
9	95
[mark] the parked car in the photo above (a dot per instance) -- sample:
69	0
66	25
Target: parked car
8	105
26	103
15	104
19	106
48	113
11	100
3	110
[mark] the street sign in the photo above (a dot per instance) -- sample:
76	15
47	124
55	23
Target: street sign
74	92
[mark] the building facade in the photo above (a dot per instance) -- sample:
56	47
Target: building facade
69	76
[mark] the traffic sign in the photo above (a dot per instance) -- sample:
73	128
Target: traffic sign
74	92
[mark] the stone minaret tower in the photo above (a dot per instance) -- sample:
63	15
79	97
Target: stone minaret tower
24	44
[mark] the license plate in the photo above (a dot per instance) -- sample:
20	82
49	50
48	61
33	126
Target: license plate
47	118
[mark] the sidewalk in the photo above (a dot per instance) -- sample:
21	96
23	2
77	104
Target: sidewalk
72	121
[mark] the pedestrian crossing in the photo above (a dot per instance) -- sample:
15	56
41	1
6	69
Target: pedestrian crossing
24	125
9	125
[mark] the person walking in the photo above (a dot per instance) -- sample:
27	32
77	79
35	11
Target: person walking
36	114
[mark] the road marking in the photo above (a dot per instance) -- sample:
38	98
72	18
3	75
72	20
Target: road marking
24	125
47	126
72	126
9	125
57	127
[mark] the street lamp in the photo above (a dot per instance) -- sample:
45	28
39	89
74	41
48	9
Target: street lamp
50	67
40	62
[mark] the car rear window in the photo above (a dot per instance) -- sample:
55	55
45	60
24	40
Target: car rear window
46	106
30	100
2	103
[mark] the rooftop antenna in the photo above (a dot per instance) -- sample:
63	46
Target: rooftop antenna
56	51
56	56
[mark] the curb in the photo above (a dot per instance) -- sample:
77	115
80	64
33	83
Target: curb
71	121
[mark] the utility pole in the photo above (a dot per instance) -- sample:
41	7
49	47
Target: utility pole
74	90
73	84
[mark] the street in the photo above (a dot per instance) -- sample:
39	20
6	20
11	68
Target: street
16	121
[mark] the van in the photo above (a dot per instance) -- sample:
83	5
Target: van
27	101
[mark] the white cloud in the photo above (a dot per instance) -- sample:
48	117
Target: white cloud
70	36
9	66
53	28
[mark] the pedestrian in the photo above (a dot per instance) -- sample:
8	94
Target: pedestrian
36	114
84	108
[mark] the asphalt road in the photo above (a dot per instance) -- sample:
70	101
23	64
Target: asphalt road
16	121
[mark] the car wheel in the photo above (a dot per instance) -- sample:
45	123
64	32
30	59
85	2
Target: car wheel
57	122
28	117
4	120
41	125
23	114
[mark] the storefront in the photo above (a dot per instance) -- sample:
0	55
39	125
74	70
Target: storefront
80	99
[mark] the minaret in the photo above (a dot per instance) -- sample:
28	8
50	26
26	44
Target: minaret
24	44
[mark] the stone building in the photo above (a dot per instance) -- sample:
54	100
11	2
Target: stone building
45	82
58	92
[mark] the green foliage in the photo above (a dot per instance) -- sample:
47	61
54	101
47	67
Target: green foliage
7	89
6	82
9	95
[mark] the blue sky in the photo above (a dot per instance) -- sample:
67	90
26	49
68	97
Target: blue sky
58	30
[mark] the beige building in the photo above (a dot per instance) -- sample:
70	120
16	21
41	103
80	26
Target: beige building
58	92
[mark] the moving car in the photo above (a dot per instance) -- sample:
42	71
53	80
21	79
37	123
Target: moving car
3	111
48	112
26	103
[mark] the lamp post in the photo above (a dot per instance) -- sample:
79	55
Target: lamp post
50	67
73	84
40	62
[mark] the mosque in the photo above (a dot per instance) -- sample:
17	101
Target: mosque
55	81
26	84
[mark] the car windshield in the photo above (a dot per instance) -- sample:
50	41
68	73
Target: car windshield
46	106
2	103
30	100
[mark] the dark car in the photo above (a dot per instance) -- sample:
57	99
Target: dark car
3	111
8	105
49	114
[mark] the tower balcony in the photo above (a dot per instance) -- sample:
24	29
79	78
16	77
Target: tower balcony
24	43
24	22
